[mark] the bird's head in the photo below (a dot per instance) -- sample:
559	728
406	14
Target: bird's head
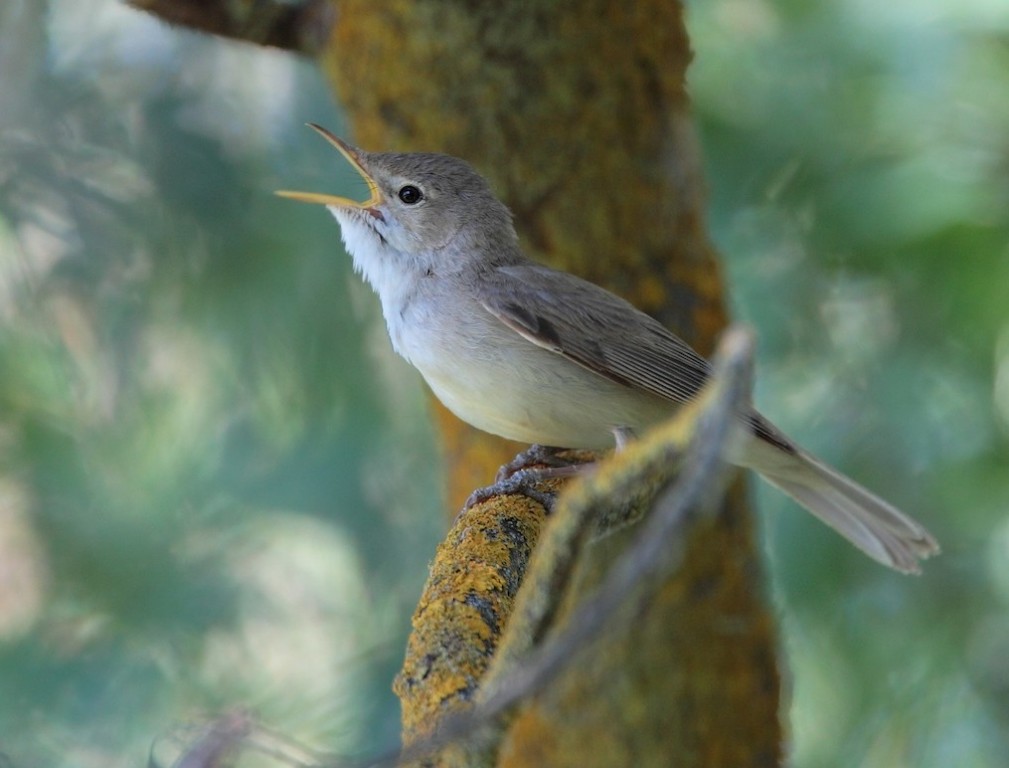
432	209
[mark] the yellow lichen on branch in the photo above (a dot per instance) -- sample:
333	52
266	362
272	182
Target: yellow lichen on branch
466	602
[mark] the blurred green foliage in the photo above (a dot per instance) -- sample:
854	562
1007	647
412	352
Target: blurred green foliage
215	485
206	500
858	157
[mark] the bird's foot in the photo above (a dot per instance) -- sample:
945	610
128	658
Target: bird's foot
520	476
521	482
540	456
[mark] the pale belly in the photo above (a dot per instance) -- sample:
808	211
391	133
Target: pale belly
532	395
500	382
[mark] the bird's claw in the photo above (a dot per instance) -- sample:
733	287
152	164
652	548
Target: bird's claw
519	482
534	455
520	476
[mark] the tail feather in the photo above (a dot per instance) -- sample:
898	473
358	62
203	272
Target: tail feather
876	527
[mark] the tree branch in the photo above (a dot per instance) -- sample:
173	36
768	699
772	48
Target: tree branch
301	26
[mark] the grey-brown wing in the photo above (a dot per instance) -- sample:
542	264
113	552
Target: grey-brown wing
595	329
602	332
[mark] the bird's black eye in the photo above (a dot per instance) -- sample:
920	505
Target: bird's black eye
410	194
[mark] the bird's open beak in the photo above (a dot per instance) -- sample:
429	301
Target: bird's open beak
354	158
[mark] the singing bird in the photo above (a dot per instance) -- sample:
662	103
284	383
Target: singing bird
541	356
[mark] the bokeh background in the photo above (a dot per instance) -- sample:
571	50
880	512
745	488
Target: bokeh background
219	490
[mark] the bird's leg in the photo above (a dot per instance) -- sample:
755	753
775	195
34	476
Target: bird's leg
519	483
518	476
544	456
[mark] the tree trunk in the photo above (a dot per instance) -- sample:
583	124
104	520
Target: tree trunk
578	115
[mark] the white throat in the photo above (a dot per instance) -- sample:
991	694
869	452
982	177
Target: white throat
389	272
386	269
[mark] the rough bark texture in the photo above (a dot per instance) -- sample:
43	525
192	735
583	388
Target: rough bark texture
690	681
475	577
577	114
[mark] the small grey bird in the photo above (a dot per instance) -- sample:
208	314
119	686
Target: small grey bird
540	356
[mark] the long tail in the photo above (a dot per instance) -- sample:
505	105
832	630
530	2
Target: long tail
876	527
